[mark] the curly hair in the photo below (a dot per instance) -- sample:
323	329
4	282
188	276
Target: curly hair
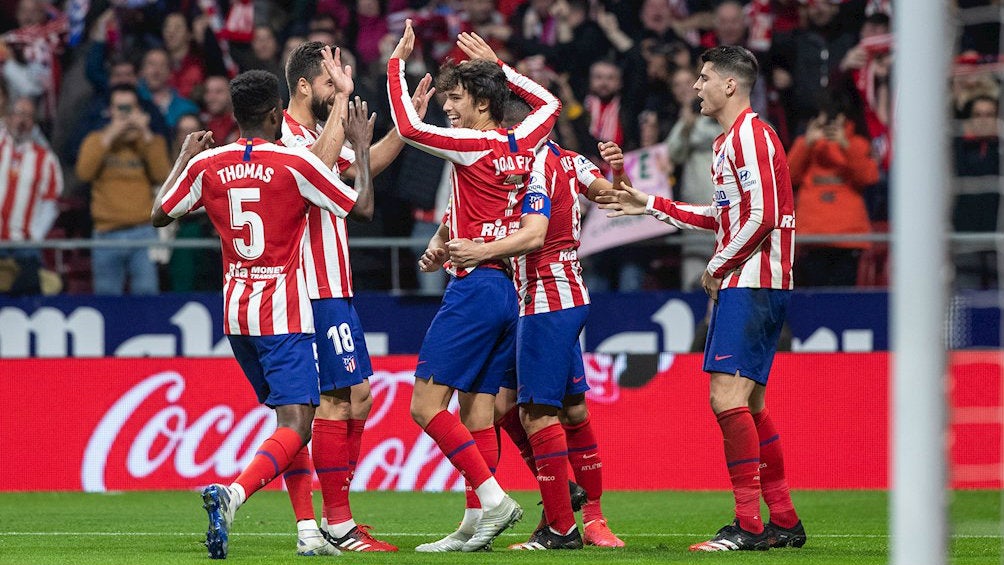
254	94
484	80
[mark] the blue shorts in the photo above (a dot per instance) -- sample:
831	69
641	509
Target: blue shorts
342	357
280	367
743	332
471	343
549	358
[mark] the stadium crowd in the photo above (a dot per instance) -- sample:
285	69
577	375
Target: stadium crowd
122	82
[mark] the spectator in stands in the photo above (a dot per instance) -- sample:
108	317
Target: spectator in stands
105	71
607	121
155	86
831	165
729	26
533	26
970	82
218	115
31	184
187	67
803	60
123	161
29	54
977	198
690	150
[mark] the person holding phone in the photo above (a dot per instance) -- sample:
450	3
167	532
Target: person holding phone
124	162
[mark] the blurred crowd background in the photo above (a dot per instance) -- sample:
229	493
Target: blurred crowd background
96	96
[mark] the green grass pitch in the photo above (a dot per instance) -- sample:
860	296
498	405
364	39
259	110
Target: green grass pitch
844	527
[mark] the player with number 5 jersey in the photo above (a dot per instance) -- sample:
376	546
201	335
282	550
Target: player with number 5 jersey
257	194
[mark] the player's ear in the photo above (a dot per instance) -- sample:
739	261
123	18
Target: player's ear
303	86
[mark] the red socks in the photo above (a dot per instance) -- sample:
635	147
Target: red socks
584	455
550	453
356	428
272	457
772	483
514	428
299	477
456	442
742	457
488	446
331	460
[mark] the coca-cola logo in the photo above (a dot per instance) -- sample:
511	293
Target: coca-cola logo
163	433
172	435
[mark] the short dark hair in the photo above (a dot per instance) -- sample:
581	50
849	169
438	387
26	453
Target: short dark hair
879	18
254	95
735	61
516	110
484	80
305	62
128	88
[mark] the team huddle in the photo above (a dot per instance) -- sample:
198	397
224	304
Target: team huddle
506	337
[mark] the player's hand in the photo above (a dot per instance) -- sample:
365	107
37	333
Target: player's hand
423	93
465	253
358	128
711	285
432	260
340	76
814	130
612	154
407	43
196	142
629	201
475	47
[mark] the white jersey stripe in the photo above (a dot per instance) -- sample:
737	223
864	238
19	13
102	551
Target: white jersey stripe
280	324
234	306
254	308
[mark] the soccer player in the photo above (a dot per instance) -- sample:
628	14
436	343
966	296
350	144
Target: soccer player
470	344
553	419
749	279
319	83
257	194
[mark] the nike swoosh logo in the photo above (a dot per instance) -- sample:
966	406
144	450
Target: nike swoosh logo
420	362
720	357
590	456
578	380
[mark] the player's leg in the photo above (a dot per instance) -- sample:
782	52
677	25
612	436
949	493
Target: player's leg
281	370
587	465
737	359
784	528
544	364
344	365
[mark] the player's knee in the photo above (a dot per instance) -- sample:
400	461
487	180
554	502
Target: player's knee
420	414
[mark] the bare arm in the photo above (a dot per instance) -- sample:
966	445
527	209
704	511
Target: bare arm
435	253
195	143
359	132
329	144
383	152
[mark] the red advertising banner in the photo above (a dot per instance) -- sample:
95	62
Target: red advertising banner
118	424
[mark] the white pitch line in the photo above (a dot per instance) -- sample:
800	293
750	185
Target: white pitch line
413	534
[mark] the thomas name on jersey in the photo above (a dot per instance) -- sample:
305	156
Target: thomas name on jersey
255	272
241	171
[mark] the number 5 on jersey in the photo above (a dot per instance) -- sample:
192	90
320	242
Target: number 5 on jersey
254	246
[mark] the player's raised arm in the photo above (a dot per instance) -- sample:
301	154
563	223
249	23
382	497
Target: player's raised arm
329	144
461	146
545	106
359	131
183	188
383	152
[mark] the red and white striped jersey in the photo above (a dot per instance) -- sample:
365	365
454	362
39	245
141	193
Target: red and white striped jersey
30	182
257	194
753	212
550	278
490	167
326	241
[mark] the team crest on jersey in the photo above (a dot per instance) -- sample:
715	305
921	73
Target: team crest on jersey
350	363
535	201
